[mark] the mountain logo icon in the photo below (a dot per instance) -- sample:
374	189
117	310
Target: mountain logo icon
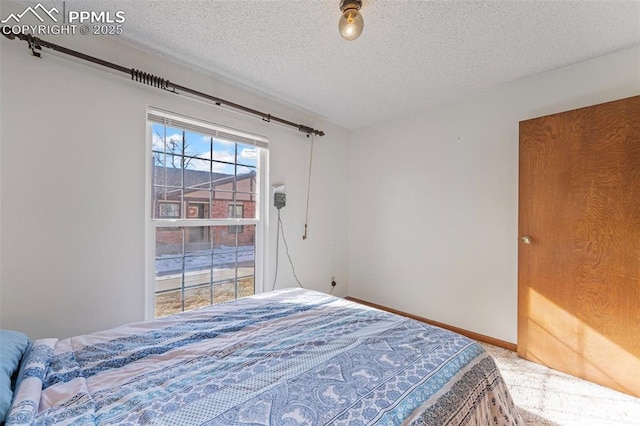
34	11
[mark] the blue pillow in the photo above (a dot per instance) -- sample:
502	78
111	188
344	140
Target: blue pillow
12	347
19	375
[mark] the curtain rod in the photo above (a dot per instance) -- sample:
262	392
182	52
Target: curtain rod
36	44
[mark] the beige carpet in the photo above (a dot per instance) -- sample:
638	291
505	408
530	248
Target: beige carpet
548	397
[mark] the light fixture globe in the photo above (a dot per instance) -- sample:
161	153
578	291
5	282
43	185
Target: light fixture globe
351	23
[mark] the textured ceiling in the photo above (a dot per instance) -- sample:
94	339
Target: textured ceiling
412	54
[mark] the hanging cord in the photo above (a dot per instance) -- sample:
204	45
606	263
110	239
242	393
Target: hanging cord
275	277
306	213
284	240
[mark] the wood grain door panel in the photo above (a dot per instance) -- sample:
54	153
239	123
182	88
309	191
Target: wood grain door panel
579	278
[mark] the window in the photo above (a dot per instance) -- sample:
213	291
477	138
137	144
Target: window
236	211
168	210
206	218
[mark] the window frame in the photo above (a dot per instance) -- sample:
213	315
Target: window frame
261	199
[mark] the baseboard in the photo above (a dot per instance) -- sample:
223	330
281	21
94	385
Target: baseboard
470	334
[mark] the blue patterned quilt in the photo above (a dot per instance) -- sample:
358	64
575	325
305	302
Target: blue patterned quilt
290	357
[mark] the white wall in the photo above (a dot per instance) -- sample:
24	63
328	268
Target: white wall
433	196
73	185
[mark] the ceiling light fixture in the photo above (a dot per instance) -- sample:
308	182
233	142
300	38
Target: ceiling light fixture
351	22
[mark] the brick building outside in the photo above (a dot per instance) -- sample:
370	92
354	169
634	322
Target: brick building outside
194	194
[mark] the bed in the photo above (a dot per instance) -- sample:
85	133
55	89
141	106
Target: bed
289	357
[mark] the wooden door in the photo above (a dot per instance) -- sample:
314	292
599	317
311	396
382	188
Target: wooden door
579	254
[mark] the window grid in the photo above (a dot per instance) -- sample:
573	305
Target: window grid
197	199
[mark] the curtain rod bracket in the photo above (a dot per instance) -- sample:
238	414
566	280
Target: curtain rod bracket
33	44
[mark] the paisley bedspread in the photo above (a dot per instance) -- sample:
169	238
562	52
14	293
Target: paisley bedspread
290	357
